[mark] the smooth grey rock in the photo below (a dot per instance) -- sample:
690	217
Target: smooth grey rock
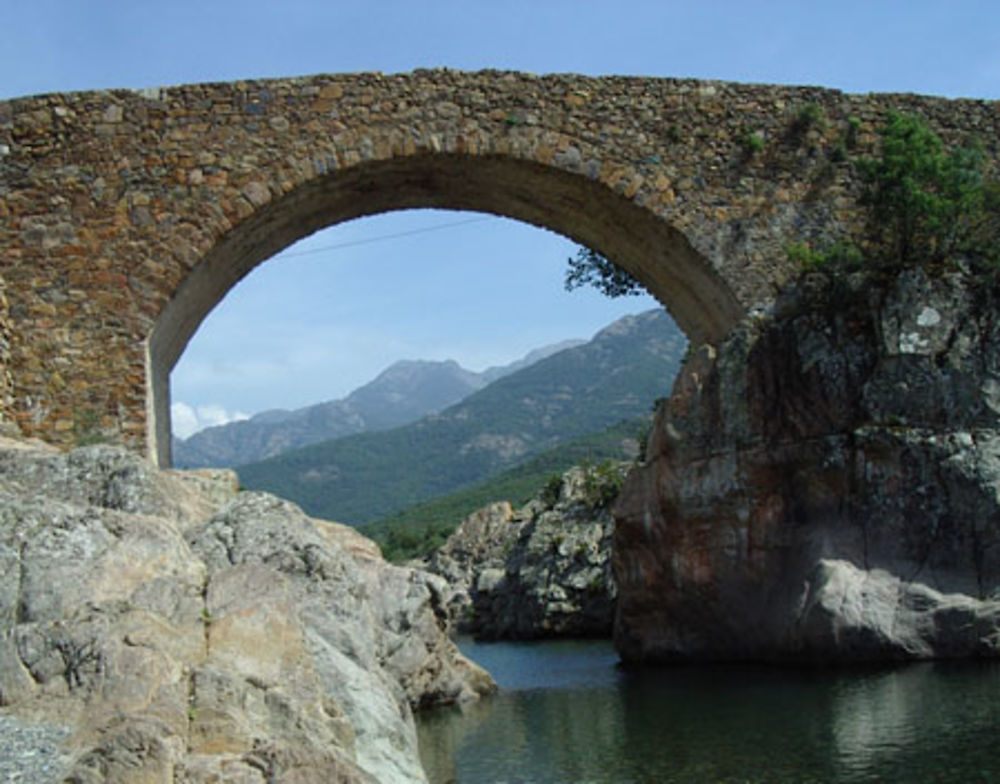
857	612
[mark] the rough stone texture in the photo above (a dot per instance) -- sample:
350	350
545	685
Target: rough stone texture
187	633
125	216
541	571
6	377
826	485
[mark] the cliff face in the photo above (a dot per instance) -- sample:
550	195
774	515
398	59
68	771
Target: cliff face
181	631
543	570
825	486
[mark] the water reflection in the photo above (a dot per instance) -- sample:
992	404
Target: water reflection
937	721
566	713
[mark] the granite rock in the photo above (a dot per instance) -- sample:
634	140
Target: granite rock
824	485
543	570
183	632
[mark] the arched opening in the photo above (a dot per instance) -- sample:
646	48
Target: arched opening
659	256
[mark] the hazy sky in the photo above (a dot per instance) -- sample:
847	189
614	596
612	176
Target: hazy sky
333	310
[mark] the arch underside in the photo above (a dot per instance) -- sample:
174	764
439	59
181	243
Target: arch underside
584	210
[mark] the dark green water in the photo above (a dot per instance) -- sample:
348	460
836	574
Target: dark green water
566	713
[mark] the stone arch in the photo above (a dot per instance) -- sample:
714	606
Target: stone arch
124	215
549	197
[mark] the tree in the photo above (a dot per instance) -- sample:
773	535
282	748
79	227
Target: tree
926	206
926	203
590	268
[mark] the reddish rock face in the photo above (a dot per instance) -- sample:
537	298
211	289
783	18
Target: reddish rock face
824	486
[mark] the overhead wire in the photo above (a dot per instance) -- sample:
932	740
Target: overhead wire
384	237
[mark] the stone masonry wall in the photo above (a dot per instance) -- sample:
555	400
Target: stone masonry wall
126	215
6	378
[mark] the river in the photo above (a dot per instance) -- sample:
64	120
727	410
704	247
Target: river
567	713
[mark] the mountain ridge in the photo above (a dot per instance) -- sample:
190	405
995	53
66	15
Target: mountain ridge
614	376
403	392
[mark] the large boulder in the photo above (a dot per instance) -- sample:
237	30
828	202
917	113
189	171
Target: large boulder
543	570
824	485
183	632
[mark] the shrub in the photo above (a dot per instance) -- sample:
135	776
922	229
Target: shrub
642	438
839	257
927	204
602	483
806	116
851	135
556	542
86	428
552	490
753	143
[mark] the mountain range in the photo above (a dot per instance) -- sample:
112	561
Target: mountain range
402	393
357	478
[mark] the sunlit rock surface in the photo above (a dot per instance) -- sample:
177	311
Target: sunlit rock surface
186	632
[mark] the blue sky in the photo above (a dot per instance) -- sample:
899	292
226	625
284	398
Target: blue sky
329	313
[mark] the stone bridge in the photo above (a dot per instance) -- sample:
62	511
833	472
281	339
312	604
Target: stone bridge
125	216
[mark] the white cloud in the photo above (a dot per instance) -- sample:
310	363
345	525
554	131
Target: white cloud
187	420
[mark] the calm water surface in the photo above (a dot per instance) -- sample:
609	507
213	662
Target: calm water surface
567	713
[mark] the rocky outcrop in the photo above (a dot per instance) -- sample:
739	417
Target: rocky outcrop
184	632
543	570
824	486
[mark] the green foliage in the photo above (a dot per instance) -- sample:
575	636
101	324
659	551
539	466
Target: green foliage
838	151
841	257
367	476
851	134
418	530
590	268
602	483
402	544
926	203
753	143
552	490
642	437
807	116
86	429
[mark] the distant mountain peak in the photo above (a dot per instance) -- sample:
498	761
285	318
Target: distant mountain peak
405	391
615	376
